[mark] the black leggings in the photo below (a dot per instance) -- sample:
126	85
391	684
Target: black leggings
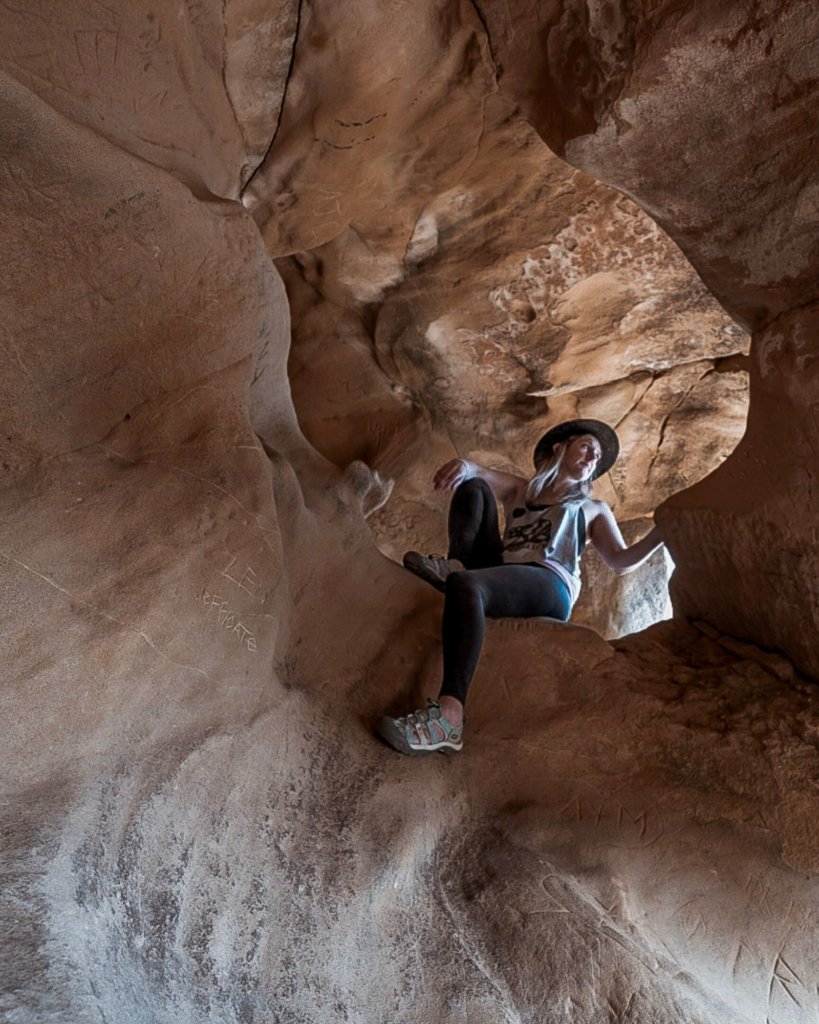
488	589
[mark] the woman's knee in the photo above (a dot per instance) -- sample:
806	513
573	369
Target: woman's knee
461	588
472	503
472	488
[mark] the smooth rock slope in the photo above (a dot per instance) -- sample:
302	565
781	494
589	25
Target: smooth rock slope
198	628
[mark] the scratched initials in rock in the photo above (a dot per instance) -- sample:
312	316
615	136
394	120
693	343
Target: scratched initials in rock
228	619
244	579
637	827
786	978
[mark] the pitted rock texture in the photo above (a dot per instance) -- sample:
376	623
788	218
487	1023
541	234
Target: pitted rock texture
741	204
610	84
537	300
198	631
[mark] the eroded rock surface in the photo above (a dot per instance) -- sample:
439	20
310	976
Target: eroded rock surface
604	92
534	303
473	305
198	629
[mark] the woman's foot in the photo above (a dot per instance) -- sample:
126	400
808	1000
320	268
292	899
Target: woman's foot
432	569
452	710
423	732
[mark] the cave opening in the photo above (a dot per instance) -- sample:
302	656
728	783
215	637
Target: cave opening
519	294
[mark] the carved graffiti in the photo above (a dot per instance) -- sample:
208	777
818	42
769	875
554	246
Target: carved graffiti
220	613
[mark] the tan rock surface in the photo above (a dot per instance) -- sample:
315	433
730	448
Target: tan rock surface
198	630
526	294
611	87
750	528
603	92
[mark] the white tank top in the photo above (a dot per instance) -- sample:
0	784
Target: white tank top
550	535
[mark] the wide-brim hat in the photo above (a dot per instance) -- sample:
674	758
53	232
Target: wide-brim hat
609	445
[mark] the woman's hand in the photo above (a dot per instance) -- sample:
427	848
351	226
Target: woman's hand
505	486
452	474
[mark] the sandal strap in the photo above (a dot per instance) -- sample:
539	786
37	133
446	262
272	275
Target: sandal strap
429	725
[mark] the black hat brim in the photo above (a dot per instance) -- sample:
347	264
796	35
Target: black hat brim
609	443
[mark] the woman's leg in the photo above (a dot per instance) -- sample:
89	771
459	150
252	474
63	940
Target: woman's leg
474	535
514	591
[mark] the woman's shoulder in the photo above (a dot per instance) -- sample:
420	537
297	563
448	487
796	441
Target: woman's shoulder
593	507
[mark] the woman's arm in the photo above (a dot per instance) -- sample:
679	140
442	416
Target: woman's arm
606	537
453	473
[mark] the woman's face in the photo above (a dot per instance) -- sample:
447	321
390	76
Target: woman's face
581	456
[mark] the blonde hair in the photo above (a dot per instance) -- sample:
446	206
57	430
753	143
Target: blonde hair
548	474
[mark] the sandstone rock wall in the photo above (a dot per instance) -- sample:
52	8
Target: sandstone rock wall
604	91
197	628
463	305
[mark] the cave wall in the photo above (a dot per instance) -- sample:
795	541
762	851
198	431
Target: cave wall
477	292
199	631
603	91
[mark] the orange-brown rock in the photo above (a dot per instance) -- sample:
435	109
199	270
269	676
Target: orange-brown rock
742	206
526	294
196	628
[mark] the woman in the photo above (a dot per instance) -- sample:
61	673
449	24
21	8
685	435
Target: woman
533	570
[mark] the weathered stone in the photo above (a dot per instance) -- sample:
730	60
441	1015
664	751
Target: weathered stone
196	629
611	88
355	129
748	532
527	294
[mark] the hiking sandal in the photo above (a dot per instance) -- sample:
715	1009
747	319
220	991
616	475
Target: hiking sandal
433	569
425	731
